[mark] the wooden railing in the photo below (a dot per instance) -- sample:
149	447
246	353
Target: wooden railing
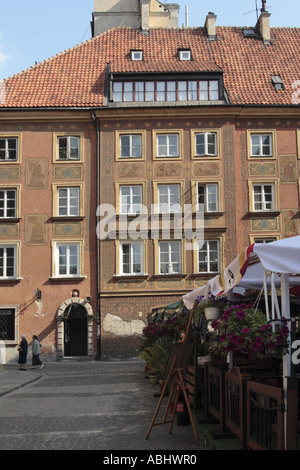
251	408
265	417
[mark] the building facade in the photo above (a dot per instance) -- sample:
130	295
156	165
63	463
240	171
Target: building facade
107	147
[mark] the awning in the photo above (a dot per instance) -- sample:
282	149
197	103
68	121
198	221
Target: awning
249	268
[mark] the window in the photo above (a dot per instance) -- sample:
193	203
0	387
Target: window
265	240
168	198
169	257
8	261
8	203
206	144
136	55
131	258
8	148
67	259
263	197
131	199
7	324
167	145
131	146
184	54
261	145
207	197
208	256
165	90
68	148
68	201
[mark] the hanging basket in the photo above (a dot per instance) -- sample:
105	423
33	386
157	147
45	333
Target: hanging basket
211	313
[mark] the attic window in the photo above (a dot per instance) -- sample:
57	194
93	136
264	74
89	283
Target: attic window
184	54
277	82
249	33
136	55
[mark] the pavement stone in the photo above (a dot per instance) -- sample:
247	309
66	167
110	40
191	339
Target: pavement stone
85	405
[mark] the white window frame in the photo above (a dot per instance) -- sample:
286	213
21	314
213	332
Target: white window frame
260	145
208	251
132	246
5	203
131	146
166	145
69	148
206	144
7	150
68	201
207	196
170	252
15	261
185	54
136	55
169	206
57	265
263	201
130	204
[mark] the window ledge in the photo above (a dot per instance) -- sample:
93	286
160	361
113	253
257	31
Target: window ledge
167	276
67	278
264	213
204	275
11	280
130	276
11	220
56	218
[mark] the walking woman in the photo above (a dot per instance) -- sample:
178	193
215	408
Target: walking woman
36	351
23	350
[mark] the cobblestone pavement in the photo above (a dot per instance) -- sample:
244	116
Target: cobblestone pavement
88	406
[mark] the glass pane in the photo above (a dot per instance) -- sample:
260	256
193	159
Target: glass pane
74	148
12	149
200	144
62	148
162	145
125	145
136	146
128	91
139	91
173	145
203	88
171	91
160	91
182	91
149	91
192	91
117	91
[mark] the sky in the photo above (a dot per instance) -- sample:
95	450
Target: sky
34	30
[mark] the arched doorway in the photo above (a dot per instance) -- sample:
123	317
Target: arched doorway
75	331
75	328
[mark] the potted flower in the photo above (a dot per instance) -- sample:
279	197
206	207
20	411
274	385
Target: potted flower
245	331
212	307
155	357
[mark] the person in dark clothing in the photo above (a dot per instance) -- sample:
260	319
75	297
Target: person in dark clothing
23	350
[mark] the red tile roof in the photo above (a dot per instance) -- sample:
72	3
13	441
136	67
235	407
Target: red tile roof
76	77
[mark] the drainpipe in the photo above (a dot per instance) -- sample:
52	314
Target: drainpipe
97	127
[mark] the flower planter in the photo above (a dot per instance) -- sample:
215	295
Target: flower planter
153	379
211	313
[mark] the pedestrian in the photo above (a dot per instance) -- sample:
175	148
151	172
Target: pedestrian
23	350
36	351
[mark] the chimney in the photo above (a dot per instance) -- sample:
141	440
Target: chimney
263	26
145	11
210	26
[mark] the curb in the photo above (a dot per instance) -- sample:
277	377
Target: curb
16	387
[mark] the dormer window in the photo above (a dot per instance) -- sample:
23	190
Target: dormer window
136	55
184	54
